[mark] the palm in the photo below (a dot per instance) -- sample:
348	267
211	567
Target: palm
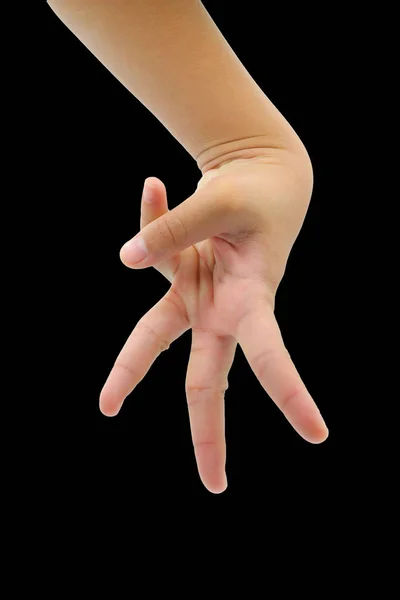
223	288
212	297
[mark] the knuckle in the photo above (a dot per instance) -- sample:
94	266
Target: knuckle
201	443
288	398
173	298
172	229
197	394
262	362
124	367
162	343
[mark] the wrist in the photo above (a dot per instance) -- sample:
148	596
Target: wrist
260	146
293	158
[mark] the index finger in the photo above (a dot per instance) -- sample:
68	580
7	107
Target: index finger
155	331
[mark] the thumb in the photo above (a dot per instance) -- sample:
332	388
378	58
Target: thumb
204	214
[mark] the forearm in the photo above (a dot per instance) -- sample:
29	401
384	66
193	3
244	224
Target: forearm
173	58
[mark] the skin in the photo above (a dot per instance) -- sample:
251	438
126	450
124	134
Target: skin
223	288
224	249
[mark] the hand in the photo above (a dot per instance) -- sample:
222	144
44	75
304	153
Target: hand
224	250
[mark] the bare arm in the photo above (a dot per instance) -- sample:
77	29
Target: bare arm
173	58
224	249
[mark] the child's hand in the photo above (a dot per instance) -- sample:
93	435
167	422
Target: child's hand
224	250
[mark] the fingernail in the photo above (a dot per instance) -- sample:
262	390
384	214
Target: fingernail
147	195
135	250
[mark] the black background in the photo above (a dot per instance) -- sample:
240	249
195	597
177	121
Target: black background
101	143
